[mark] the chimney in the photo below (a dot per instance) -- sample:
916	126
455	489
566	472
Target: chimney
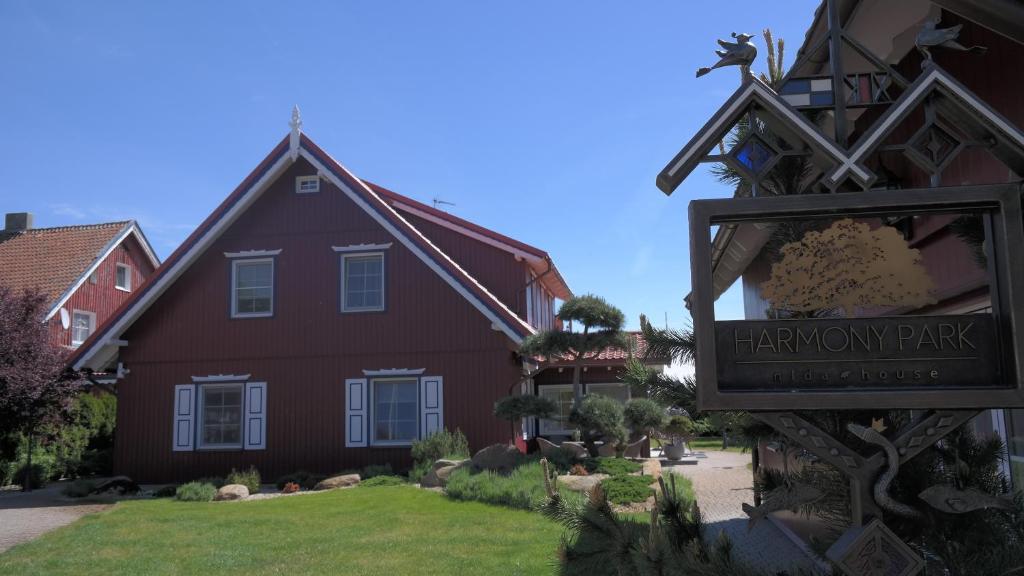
17	221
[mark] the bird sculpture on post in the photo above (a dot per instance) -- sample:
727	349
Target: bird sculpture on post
739	53
932	37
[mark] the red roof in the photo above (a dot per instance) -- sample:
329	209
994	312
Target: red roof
53	259
557	284
613	355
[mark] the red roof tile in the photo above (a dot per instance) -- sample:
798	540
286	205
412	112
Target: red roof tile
53	259
615	355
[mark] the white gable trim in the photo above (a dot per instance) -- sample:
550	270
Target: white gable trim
129	230
222	378
520	254
395	372
361	247
252	253
408	243
183	263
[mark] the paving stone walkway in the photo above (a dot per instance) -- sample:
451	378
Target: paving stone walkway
26	516
722	483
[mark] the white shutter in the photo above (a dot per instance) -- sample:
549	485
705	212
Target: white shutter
255	415
184	417
431	405
355	413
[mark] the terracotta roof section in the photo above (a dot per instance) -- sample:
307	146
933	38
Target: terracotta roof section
613	355
53	259
556	284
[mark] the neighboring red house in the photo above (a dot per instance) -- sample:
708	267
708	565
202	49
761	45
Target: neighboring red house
86	271
316	321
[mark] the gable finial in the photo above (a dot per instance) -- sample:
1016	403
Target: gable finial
739	53
296	125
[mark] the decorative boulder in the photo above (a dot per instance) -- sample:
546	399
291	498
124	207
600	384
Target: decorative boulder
231	492
440	471
581	483
119	484
497	458
343	481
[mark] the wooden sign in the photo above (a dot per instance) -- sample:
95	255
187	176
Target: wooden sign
850	288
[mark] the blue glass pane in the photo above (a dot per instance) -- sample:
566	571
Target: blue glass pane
754	155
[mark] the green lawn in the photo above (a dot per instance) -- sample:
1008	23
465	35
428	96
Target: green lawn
387	530
704	444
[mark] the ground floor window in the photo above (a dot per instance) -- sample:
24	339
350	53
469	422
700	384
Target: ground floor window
220	410
563	396
1015	445
395	410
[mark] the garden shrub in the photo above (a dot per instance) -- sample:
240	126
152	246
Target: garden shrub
216	481
599	417
440	444
79	488
166	492
374	470
561	460
627	489
83	446
306	480
196	492
249	478
383	480
681	488
642	415
523	488
40	474
614	466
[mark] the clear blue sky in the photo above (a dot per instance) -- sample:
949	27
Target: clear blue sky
547	121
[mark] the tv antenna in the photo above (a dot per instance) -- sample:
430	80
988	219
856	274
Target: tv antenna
440	202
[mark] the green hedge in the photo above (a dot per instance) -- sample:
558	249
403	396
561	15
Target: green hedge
196	492
383	480
523	488
627	489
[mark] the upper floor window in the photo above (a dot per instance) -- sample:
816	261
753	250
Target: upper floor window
307	184
252	288
362	282
123	277
82	325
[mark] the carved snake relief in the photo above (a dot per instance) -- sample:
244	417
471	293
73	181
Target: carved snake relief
892	457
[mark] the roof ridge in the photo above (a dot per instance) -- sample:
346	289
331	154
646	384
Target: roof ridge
113	224
455	219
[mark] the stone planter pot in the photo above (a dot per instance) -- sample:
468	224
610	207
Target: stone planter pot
675	451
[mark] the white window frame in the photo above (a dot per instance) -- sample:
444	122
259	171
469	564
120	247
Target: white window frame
345	308
552	422
201	415
372	420
127	277
300	181
92	325
235	262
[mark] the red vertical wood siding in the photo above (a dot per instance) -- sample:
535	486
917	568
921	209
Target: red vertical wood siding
308	348
102	298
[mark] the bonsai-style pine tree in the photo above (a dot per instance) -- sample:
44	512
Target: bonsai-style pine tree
515	408
593	325
34	389
846	266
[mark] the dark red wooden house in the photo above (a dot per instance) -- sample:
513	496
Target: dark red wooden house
321	322
85	271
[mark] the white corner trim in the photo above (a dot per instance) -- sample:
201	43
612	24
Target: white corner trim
361	247
252	253
222	378
395	372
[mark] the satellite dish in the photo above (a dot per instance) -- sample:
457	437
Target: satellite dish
65	318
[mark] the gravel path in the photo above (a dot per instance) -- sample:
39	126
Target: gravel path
722	483
24	517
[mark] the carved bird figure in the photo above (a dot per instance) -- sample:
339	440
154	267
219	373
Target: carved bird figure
952	501
930	36
739	53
